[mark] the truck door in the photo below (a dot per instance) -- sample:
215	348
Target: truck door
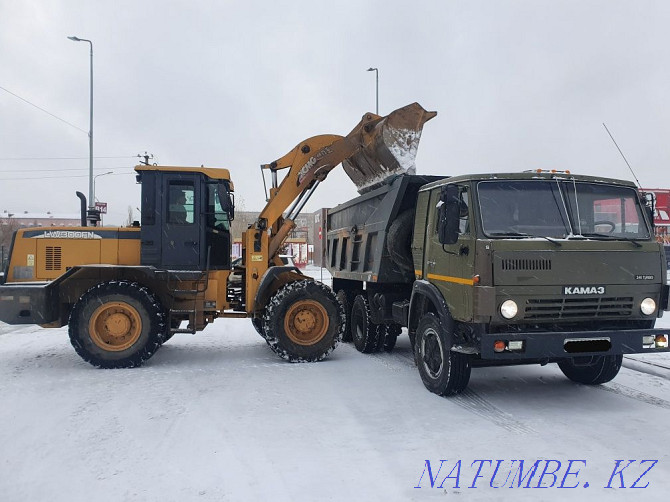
180	239
450	267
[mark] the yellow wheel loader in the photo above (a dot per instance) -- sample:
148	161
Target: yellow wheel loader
124	291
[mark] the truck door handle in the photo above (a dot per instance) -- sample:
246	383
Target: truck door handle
430	263
190	243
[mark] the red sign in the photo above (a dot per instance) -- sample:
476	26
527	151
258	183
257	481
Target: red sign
102	207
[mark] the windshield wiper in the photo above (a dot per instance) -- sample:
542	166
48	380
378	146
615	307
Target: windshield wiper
521	235
604	237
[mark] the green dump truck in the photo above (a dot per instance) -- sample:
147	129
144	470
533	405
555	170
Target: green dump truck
501	269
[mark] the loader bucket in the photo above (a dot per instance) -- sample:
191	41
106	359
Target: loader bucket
387	144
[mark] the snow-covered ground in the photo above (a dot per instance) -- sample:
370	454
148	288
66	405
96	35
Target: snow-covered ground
217	416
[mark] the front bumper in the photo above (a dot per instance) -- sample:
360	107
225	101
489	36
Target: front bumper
562	344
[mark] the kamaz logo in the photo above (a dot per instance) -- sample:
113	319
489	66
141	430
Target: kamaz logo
584	290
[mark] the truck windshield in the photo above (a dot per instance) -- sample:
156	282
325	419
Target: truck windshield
560	209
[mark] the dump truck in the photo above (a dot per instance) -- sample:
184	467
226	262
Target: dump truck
500	269
125	291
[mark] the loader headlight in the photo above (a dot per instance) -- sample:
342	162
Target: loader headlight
648	306
508	309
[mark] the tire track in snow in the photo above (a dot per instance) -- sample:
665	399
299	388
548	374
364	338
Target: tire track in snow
638	395
468	399
481	407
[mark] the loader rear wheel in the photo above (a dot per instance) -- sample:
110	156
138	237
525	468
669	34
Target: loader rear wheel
364	332
343	298
600	369
116	324
303	321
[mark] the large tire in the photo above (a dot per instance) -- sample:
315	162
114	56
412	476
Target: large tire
117	324
601	370
257	323
399	240
442	371
343	298
365	334
303	321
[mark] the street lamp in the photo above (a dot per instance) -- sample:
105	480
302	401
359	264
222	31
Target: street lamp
91	194
376	70
94	178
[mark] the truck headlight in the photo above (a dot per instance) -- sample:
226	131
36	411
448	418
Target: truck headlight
508	309
648	306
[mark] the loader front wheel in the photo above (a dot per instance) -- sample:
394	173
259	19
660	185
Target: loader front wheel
303	321
116	324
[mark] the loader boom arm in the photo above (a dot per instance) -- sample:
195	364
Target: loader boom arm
378	147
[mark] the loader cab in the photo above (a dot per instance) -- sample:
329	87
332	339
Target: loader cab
186	216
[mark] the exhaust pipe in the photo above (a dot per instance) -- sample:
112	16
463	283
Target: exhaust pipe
82	198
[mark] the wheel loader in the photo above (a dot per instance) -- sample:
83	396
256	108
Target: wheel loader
125	291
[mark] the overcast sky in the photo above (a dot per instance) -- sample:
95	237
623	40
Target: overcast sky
517	85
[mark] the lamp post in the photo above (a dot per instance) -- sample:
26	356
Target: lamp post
94	178
91	194
376	70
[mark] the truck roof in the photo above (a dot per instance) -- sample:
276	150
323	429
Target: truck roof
529	175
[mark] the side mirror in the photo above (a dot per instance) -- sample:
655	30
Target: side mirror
449	213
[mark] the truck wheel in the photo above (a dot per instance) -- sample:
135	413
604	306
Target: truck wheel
443	372
343	298
116	324
602	369
392	333
303	321
399	240
364	332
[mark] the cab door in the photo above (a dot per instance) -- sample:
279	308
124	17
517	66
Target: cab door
180	239
450	266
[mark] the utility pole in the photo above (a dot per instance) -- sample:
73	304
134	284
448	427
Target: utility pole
146	157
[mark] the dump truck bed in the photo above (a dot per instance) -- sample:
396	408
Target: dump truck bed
369	237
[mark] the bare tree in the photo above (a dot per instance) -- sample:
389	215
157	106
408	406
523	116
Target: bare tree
129	221
8	226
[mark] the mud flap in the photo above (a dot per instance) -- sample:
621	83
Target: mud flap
388	146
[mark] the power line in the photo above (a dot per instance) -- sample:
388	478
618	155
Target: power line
58	169
65	158
60	177
43	110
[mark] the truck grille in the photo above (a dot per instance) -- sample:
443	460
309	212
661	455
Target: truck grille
564	308
526	264
53	257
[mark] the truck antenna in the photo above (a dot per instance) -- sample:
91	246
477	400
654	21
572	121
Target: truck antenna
622	155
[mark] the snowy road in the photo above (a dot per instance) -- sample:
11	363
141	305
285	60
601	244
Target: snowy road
217	416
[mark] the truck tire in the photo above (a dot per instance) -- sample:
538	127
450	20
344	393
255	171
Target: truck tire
303	321
392	333
117	324
442	371
399	241
364	333
601	370
343	298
